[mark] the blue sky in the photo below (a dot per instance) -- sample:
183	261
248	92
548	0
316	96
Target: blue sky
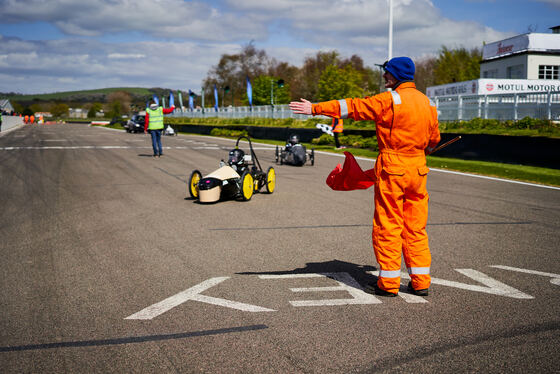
64	45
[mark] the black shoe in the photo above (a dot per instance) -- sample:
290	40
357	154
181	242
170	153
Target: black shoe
423	292
373	288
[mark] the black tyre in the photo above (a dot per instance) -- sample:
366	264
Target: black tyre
312	157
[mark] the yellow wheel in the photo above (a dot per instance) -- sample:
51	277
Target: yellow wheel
247	185
270	180
192	185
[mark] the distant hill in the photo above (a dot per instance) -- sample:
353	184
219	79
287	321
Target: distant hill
85	96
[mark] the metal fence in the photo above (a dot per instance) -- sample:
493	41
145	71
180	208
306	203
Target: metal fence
543	105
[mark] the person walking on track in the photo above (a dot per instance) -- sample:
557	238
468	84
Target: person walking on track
406	129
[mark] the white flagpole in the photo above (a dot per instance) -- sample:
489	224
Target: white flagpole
390	47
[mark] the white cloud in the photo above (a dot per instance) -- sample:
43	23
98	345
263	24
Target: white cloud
78	64
186	38
190	20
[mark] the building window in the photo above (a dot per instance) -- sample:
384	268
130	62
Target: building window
548	71
515	72
490	73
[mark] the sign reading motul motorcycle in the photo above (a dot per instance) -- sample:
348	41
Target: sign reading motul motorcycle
493	86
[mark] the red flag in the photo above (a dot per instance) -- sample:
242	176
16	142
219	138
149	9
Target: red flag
350	176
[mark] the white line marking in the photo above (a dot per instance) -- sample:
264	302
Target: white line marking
193	293
345	283
555	277
495	179
493	286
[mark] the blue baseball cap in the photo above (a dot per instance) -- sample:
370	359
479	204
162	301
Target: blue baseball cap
402	68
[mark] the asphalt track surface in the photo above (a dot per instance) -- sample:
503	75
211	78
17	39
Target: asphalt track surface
108	267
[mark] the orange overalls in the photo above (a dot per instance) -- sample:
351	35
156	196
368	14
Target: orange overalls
406	124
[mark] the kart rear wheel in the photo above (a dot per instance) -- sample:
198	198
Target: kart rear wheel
270	180
247	185
277	150
192	185
312	157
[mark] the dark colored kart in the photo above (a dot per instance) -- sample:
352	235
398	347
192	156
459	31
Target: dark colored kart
294	153
239	178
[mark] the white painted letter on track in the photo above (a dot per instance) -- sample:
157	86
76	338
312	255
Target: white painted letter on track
193	293
345	283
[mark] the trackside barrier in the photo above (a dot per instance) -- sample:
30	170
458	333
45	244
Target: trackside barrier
541	105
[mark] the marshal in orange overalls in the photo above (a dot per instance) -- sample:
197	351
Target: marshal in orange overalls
406	124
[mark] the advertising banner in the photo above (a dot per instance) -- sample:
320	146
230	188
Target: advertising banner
488	86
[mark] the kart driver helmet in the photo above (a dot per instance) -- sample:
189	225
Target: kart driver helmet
236	157
294	139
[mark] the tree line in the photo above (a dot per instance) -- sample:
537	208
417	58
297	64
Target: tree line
323	76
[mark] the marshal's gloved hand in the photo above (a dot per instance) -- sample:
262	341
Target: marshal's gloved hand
350	176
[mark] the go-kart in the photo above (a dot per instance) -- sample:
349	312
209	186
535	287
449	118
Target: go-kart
169	131
239	178
294	153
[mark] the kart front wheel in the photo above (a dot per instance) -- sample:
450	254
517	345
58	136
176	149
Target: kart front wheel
247	185
192	185
270	180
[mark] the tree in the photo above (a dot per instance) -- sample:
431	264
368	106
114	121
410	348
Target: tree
264	86
424	76
95	107
232	71
36	107
336	83
18	108
306	84
457	65
118	103
59	110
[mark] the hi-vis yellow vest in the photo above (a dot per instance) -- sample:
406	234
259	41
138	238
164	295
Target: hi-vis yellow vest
156	118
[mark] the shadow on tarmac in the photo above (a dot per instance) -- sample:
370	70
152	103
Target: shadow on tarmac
358	272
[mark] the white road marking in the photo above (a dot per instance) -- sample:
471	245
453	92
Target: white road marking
555	277
492	286
193	293
345	283
495	179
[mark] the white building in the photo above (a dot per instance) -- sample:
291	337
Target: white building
527	56
524	63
